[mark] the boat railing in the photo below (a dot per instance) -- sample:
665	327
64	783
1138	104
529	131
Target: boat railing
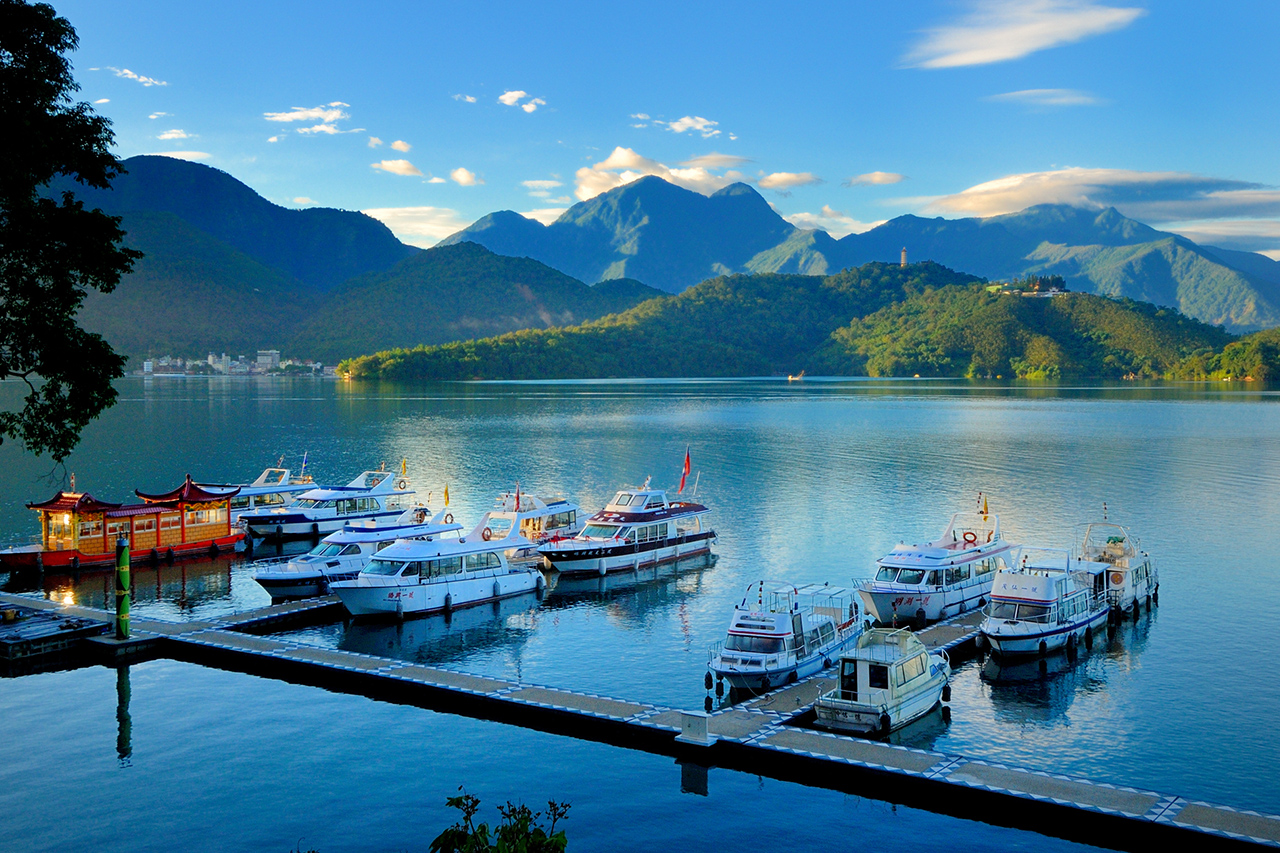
268	562
768	661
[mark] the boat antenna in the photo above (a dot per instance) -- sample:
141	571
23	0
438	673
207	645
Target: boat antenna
695	483
280	461
303	469
646	481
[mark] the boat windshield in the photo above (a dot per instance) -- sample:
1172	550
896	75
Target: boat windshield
326	549
886	573
499	526
600	531
1019	612
911	576
759	645
621	499
383	567
309	503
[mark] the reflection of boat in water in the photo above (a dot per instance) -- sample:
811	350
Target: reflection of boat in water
780	633
566	591
1047	602
951	575
185	585
888	680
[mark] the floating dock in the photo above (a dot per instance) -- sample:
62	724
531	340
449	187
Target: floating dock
756	737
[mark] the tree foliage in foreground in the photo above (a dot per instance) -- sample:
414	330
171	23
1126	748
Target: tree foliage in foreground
52	251
521	830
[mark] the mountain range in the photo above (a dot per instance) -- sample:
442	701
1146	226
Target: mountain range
672	238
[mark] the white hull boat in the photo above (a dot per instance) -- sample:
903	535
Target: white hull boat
538	519
1048	602
275	488
1132	580
373	496
887	681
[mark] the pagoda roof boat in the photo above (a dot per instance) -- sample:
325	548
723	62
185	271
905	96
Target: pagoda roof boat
77	529
637	528
341	555
1132	580
916	584
325	509
887	680
538	519
1047	602
413	576
274	487
780	633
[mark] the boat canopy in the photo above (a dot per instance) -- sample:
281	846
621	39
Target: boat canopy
637	500
1105	542
370	482
886	645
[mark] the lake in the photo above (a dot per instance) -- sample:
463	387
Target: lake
808	482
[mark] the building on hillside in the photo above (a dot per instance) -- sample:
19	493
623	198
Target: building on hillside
268	359
904	256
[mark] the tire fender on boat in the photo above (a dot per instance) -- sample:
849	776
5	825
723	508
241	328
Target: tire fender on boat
315	530
168	556
885	724
448	602
1044	648
946	692
497	589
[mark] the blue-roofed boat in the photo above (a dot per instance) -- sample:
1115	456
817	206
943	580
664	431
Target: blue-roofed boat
373	496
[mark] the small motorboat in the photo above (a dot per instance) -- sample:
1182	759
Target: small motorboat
916	584
1047	602
342	554
780	633
888	680
1132	580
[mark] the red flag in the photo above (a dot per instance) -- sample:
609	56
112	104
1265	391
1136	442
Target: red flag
685	472
517	495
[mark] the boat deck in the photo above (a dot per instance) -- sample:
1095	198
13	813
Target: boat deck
754	737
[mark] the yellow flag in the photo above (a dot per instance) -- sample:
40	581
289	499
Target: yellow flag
446	494
404	466
984	506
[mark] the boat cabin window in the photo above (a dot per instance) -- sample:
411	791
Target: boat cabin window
444	566
1002	610
826	632
326	549
380	545
116	529
911	576
630	535
144	525
411	570
959	574
561	519
500	526
910	670
600	531
984	567
756	645
346	505
655	501
878	676
170	522
242	502
651	533
887	573
272	499
622	499
487	560
349	550
849	680
689	525
91	528
383	567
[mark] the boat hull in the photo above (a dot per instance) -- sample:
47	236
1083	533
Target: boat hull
1025	638
298	525
866	719
891	604
602	558
758	672
74	559
366	596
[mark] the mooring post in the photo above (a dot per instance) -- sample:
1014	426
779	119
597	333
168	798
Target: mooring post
122	588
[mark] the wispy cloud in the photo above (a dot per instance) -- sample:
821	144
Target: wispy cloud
175	134
541	185
875	179
834	222
1048	97
129	75
436	179
182	155
326	116
103	101
715	160
464	177
705	126
374	142
302	199
466	99
397	167
401	145
1001	30
419	226
784	181
157	115
1245	235
624	165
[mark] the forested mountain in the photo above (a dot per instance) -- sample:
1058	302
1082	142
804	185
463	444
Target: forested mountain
673	238
878	320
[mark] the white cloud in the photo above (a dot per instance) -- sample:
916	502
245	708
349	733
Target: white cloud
541	185
624	166
1048	97
273	138
1001	30
175	134
181	155
129	75
875	179
1246	235
1145	196
641	116
468	99
787	180
302	199
436	180
330	129
419	226
834	222
540	194
564	199
374	142
715	161
545	215
533	105
702	125
326	113
401	145
464	177
511	96
157	115
397	167
103	101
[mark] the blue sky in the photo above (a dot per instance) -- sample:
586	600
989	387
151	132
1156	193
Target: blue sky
430	115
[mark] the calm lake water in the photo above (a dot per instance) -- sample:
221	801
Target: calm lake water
807	482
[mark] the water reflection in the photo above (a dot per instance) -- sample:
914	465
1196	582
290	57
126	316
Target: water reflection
124	721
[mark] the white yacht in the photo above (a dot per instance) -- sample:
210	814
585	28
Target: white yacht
538	519
638	528
342	554
439	574
372	495
886	681
1047	602
274	488
923	583
1132	580
780	633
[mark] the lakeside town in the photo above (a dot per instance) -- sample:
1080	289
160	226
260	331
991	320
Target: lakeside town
265	362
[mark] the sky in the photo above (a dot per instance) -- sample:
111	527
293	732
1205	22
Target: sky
428	116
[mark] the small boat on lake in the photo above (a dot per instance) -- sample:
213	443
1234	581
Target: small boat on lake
274	488
78	530
638	527
916	584
438	574
341	555
888	680
780	633
325	509
1132	580
1047	602
538	519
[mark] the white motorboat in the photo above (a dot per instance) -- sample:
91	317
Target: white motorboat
440	574
780	633
371	496
274	488
886	681
924	583
538	519
1047	602
1132	580
342	554
638	528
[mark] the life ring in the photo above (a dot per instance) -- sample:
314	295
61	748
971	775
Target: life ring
486	534
1117	578
402	483
448	518
970	538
